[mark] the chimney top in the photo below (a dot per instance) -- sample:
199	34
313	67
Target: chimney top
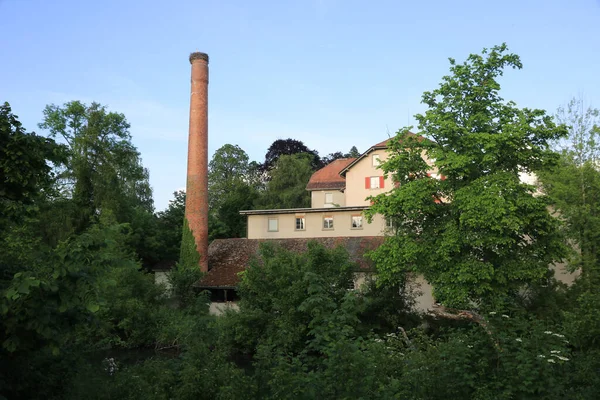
198	56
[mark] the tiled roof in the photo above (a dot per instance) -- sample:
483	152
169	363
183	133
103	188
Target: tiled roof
228	257
329	177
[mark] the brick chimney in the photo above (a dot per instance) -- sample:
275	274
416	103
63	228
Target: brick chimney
196	204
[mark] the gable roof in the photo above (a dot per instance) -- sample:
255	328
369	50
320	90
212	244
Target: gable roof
228	257
329	176
378	146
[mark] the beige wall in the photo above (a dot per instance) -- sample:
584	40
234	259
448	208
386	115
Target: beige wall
356	194
317	198
216	308
258	224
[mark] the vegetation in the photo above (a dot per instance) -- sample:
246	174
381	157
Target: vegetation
81	317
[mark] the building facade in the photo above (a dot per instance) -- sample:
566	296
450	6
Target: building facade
339	196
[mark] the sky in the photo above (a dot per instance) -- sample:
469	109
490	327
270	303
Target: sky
331	73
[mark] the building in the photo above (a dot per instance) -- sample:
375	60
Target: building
339	196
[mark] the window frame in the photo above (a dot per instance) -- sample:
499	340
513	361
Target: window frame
328	218
377	180
352	221
328	194
376	160
301	218
269	219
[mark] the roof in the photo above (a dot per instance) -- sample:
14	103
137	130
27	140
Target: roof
329	176
378	146
228	257
303	210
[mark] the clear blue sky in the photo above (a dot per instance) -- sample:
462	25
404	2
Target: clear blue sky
331	73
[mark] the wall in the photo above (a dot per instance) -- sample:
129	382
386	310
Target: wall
356	193
317	198
258	224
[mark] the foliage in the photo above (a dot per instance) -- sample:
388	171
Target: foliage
25	166
170	227
104	170
231	189
479	234
288	147
574	184
287	187
353	153
189	257
228	168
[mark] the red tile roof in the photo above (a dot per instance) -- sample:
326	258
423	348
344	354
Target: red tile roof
228	257
329	177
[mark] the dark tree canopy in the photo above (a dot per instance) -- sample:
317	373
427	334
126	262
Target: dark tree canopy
288	147
353	153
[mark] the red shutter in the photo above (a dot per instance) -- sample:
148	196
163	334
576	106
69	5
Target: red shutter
381	182
367	183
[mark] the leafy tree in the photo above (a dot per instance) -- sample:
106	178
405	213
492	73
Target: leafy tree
353	153
231	189
104	170
282	147
26	162
478	235
574	184
287	187
170	223
228	167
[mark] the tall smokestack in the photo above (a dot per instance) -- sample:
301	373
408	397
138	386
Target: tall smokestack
196	204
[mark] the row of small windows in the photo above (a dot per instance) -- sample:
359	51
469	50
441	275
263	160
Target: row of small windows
356	222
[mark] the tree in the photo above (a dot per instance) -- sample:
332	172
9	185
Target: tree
478	235
282	147
228	167
287	187
26	182
231	188
25	165
104	170
574	184
170	224
353	153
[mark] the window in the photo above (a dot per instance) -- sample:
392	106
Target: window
374	182
273	225
376	160
300	223
328	222
357	222
389	222
328	198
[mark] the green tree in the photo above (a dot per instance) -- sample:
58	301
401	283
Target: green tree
287	187
25	165
170	224
104	169
231	181
478	235
574	184
353	153
228	167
